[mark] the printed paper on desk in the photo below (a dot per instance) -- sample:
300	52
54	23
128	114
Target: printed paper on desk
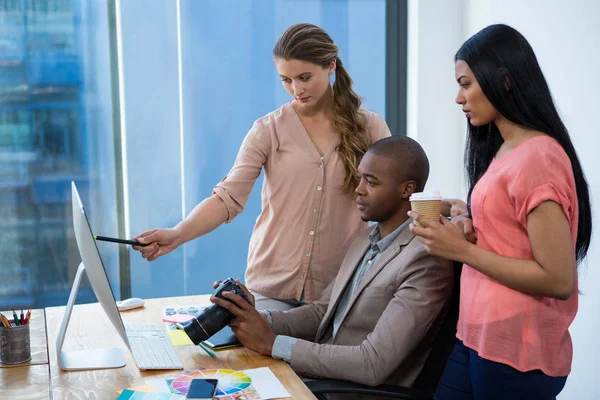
252	384
188	309
266	383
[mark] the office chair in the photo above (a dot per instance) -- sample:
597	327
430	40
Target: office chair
429	377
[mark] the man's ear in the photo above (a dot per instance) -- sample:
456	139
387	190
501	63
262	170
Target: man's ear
409	188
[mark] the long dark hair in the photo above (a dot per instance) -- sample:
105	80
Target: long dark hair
310	43
509	75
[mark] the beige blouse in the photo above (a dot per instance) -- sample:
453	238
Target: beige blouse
307	223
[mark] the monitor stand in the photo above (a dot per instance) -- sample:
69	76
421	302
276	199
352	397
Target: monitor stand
84	359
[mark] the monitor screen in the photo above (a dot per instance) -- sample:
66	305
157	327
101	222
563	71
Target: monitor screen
94	267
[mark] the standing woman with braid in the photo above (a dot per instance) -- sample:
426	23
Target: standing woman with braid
310	149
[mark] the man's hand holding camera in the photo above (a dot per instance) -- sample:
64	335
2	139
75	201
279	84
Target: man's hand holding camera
250	327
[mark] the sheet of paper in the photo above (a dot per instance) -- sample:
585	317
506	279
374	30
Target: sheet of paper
254	384
266	383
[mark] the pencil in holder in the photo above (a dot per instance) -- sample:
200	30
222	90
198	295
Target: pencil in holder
15	344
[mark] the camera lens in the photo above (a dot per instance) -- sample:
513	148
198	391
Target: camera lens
213	318
207	323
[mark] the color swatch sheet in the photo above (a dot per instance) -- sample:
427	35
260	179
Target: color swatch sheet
251	384
178	337
230	381
128	394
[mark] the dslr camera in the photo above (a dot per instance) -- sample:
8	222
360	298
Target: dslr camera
213	318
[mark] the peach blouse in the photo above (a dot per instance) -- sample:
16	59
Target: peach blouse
306	223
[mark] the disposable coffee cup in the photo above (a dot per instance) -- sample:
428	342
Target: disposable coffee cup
428	204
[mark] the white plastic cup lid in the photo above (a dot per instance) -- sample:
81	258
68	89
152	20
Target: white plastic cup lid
421	196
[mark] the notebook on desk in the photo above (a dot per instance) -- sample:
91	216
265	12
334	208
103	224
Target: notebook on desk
223	339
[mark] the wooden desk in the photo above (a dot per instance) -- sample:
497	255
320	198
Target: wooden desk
30	380
90	328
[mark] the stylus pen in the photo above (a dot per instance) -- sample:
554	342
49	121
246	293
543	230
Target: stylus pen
210	353
122	241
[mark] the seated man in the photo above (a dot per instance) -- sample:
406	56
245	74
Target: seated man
377	320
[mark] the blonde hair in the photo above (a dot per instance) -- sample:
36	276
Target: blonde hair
310	43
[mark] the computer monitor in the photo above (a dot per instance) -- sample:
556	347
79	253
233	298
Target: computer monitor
91	264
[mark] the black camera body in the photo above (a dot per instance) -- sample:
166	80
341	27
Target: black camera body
229	285
213	318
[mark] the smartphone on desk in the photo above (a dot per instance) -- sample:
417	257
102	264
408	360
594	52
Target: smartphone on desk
202	389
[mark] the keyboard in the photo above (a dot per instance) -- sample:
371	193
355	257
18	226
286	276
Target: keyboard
151	347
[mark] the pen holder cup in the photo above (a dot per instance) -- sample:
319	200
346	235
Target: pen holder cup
15	344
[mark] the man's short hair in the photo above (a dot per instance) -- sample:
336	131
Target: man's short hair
409	159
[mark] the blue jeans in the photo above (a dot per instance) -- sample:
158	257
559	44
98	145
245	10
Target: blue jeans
470	377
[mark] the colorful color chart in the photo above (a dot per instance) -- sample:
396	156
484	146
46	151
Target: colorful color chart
128	394
230	381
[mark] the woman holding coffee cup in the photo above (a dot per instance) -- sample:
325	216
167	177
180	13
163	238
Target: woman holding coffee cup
530	209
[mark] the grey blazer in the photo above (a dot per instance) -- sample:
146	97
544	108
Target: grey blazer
389	325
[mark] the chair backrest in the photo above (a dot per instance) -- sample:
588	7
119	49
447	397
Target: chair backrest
443	344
